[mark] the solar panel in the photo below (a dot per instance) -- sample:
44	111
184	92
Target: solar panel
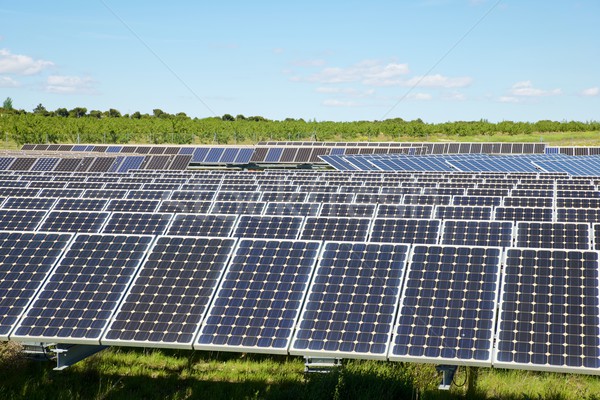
404	211
427	199
548	317
523	214
401	190
191	195
237	207
29	203
25	261
284	196
259	299
148	194
351	304
463	212
132	205
20	220
451	191
104	194
448	306
335	228
238	196
528	202
590	215
275	227
397	230
378	198
532	193
137	223
574	202
287	208
588	194
487	192
76	302
171	293
202	225
493	201
347	210
327	197
477	233
74	221
553	235
185	206
80	204
19	192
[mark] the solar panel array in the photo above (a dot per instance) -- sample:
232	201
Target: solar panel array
335	264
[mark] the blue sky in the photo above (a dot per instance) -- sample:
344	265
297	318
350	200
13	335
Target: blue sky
438	60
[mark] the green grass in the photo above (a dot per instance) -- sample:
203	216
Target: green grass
122	373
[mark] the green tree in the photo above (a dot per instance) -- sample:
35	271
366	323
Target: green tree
228	117
62	112
78	112
40	110
114	113
8	104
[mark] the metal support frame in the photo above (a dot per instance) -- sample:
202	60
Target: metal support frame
69	354
448	372
321	364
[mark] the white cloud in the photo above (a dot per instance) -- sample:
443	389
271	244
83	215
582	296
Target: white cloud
350	92
590	92
368	72
20	64
420	96
8	82
64	84
526	89
508	99
455	96
339	103
438	81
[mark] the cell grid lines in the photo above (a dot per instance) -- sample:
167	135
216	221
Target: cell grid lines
335	228
260	296
275	227
137	223
20	220
352	301
549	311
202	225
553	235
170	295
26	258
477	233
405	230
448	305
74	221
77	301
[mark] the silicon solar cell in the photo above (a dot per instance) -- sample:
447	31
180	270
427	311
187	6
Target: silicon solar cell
132	205
284	196
378	198
74	221
260	296
160	186
191	195
531	193
291	208
29	203
148	194
523	214
170	295
448	306
477	200
347	210
330	197
404	211
104	194
319	189
463	212
202	225
21	220
549	311
5	162
46	184
351	304
237	196
268	227
335	228
237	207
18	192
554	235
451	191
477	233
574	202
589	215
588	194
232	187
185	206
539	202
137	223
76	302
396	230
25	261
427	199
80	204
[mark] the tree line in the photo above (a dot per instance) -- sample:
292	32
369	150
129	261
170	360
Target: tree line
79	125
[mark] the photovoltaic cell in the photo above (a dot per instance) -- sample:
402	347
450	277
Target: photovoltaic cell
260	296
20	220
347	210
80	204
185	206
404	211
137	223
523	214
477	233
76	302
290	208
397	230
202	225
549	311
352	301
590	215
132	205
553	235
25	261
74	221
463	212
29	203
335	228
274	227
448	306
170	295
237	207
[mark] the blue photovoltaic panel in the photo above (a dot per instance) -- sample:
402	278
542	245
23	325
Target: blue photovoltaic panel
137	223
192	195
76	302
186	151
25	261
397	230
351	304
132	205
20	220
131	162
336	228
260	296
200	154
549	311
590	215
229	155
170	295
291	208
44	164
114	149
5	162
74	221
477	233
214	155
463	212
275	227
404	211
185	206
448	306
202	225
72	193
553	235
237	207
80	204
274	154
244	156
347	210
29	203
523	214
